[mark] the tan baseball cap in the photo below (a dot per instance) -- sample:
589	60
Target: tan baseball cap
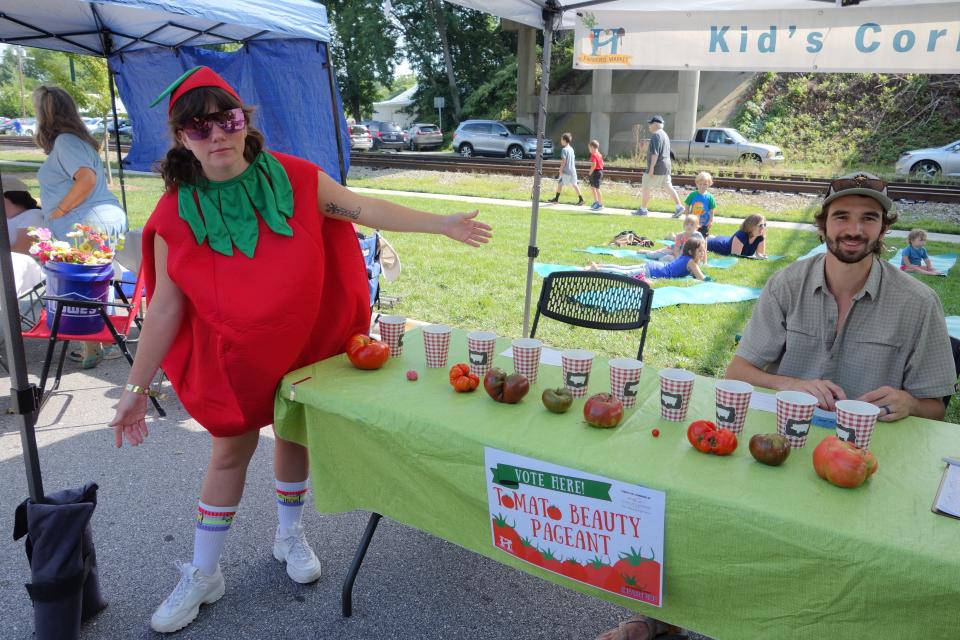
859	184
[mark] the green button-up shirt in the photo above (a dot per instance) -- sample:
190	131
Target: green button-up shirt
894	333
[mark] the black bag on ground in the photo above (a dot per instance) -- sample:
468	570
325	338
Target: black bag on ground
66	588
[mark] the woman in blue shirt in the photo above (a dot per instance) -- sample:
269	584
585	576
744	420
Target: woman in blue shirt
747	242
73	185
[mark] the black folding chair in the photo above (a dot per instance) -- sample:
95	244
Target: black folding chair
596	300
955	348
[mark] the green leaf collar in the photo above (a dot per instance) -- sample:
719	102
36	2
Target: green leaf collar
227	212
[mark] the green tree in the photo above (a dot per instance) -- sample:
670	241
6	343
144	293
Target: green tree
364	52
477	52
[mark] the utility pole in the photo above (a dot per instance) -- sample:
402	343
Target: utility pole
23	109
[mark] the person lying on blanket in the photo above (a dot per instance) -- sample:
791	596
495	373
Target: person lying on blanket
668	254
694	253
915	256
747	242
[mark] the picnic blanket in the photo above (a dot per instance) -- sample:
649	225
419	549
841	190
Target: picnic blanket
942	263
723	262
700	293
703	293
953	326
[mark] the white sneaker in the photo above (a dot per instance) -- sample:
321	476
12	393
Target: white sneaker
679	209
182	606
292	547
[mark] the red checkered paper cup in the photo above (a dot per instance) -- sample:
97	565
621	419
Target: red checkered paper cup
436	344
391	332
855	422
624	380
794	413
676	386
576	371
480	345
733	400
526	357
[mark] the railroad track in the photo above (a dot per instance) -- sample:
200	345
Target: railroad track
734	180
737	180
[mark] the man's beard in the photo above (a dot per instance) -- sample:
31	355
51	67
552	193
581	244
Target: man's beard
851	258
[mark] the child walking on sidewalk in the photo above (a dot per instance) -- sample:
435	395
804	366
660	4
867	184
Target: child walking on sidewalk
596	174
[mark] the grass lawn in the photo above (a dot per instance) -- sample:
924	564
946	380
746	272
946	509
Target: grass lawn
615	194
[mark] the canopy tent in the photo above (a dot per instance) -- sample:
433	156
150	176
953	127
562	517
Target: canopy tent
135	33
669	21
121	29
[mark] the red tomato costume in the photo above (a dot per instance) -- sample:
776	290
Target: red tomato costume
249	321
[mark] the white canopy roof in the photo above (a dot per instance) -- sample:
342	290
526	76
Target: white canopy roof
530	12
76	25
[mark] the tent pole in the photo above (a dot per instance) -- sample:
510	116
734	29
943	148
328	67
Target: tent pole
106	41
116	135
336	116
24	399
550	14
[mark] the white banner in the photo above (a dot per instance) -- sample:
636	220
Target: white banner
909	39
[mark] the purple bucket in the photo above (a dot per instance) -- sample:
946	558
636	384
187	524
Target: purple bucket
80	282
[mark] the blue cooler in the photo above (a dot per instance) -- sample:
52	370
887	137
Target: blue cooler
79	282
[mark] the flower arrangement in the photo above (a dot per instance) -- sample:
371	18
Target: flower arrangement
89	246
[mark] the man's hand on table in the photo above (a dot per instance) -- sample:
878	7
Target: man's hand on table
826	392
894	403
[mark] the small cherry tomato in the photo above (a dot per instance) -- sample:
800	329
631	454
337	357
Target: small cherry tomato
655	433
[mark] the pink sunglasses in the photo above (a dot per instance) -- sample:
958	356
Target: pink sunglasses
229	121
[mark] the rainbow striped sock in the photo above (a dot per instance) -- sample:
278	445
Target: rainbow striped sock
213	523
290	503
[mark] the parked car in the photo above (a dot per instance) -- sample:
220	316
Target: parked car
28	127
931	163
126	129
386	135
360	139
716	144
93	123
424	136
494	137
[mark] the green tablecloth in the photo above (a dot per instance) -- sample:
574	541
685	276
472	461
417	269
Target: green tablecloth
750	551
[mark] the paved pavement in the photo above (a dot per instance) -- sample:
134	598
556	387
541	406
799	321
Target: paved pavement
613	211
412	585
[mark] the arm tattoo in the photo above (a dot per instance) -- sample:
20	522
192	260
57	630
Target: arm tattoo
334	209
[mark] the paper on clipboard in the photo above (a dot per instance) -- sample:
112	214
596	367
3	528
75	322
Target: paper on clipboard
947	500
547	356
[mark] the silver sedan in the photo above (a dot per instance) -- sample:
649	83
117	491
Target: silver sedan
931	163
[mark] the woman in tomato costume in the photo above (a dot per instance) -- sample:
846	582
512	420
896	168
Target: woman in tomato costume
253	270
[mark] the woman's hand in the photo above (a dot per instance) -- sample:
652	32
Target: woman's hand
463	228
130	419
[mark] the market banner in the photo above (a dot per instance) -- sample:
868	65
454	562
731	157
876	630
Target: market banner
595	530
904	39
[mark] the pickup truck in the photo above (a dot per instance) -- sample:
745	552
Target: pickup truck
723	145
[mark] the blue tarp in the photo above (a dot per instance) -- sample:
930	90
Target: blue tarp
284	80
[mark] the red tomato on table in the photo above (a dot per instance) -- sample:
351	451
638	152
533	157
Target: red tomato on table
366	353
